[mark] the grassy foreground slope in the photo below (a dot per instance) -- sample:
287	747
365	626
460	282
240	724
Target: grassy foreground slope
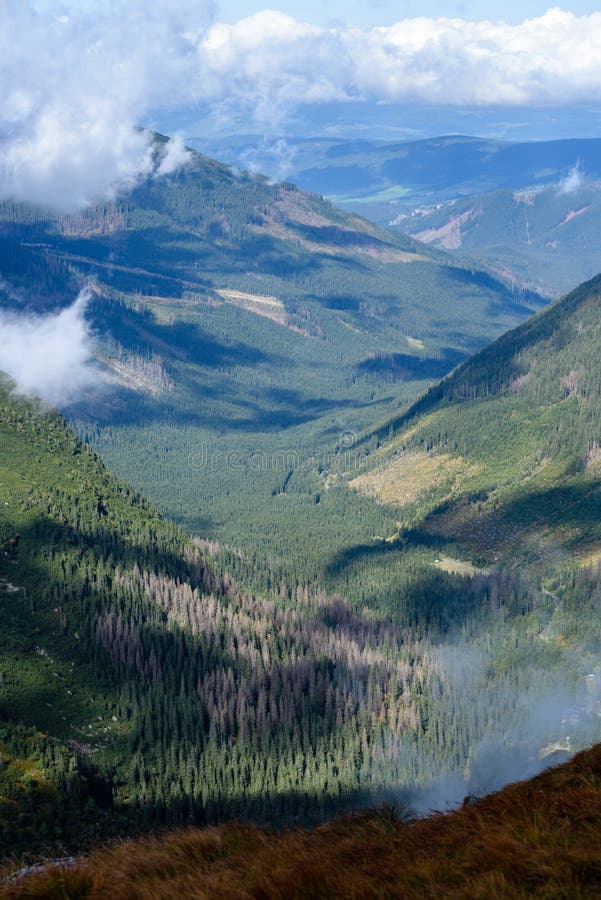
541	838
504	454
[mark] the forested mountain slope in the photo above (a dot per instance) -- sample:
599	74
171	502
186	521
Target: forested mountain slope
139	685
247	331
142	685
541	838
379	178
503	455
528	210
326	660
545	237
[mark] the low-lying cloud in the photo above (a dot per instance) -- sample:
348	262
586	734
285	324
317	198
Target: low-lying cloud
175	156
574	180
76	85
49	356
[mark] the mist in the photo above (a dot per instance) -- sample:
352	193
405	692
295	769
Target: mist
50	357
520	726
574	181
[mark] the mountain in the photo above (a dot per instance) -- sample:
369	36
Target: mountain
502	456
140	685
144	684
537	839
247	331
329	652
547	238
378	178
526	212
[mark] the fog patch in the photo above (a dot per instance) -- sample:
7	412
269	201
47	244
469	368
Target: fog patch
175	156
574	181
548	724
49	356
274	158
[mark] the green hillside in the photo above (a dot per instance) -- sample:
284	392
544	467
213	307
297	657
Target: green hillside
503	455
141	685
329	651
248	330
546	238
379	178
527	211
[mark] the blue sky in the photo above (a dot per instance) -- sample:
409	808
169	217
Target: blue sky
367	12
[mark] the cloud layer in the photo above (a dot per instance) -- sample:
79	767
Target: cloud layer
574	181
75	85
49	356
553	59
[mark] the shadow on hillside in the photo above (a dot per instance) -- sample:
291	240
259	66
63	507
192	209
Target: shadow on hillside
540	524
522	303
404	367
275	409
138	331
148	659
577	504
423	596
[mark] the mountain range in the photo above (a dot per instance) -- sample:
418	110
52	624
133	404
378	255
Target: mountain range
524	211
375	176
246	329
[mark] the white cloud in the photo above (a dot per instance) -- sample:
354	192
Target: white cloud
270	60
49	356
175	156
75	82
574	181
75	85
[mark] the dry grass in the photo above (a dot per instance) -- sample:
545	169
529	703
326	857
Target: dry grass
537	839
411	475
459	567
261	304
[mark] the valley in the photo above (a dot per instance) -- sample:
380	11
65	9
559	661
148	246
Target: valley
300	453
245	322
321	578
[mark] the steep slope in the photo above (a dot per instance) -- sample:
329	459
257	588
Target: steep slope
523	211
547	238
141	685
503	455
541	838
